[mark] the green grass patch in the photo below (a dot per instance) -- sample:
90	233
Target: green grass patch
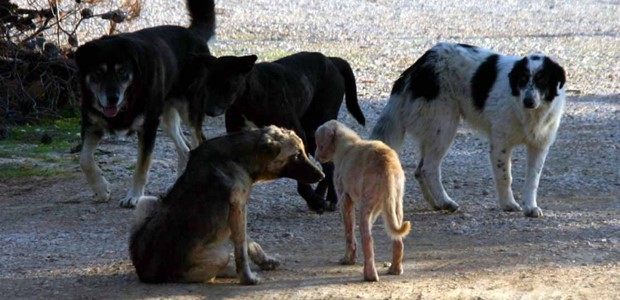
41	149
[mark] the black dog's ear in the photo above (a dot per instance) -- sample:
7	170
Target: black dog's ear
556	76
519	71
202	59
83	53
246	63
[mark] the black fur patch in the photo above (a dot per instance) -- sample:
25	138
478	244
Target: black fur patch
551	75
483	81
423	81
519	76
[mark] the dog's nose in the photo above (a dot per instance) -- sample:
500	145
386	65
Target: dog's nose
529	102
112	99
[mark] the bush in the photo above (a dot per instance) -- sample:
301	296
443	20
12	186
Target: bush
38	76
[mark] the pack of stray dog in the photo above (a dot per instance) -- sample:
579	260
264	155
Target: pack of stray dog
276	114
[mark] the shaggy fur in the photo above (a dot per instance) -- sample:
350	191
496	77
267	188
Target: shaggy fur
184	238
512	100
299	92
133	81
369	175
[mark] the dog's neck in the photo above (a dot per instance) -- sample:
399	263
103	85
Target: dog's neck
343	143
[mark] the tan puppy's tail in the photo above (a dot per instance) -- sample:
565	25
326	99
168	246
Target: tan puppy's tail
393	210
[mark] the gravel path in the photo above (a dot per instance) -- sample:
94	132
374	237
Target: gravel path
56	241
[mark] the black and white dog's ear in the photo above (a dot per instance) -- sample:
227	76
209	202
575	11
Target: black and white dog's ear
556	76
517	75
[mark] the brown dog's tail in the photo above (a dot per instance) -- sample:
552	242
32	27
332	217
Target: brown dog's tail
393	210
202	15
350	89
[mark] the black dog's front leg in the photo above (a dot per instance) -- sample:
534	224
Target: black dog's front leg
326	186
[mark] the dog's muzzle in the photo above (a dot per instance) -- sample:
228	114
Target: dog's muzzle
215	111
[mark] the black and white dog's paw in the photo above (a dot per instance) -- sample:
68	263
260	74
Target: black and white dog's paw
533	212
511	206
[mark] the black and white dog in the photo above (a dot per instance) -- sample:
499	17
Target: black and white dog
132	80
513	100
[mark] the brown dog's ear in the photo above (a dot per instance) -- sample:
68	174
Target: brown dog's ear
268	147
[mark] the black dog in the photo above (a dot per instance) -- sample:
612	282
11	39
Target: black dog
300	92
184	238
130	80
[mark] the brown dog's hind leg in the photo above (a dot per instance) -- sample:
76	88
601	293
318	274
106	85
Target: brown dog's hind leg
260	258
206	264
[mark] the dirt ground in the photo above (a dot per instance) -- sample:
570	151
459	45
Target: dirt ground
57	241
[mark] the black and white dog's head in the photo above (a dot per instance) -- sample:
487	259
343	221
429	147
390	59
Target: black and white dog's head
535	79
107	71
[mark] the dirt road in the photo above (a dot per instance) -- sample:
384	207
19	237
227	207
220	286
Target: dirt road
56	241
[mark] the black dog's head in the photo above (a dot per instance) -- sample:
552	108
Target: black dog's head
535	78
107	68
285	155
224	80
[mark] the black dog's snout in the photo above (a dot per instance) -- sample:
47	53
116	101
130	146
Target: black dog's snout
112	99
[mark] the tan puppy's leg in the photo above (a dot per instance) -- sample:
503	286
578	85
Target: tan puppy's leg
397	257
260	258
366	220
348	218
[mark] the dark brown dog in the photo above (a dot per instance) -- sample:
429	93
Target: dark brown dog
183	238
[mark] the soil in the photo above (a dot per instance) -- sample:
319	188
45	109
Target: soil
57	241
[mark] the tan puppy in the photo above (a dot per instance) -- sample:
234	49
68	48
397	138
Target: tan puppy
369	174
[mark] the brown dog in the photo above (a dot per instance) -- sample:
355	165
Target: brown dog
183	238
369	174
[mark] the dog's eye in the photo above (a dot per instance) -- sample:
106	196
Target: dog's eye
123	73
525	78
539	78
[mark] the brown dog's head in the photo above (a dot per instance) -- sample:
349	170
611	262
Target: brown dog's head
287	157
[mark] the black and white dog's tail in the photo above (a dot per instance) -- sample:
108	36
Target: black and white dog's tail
350	89
390	127
202	15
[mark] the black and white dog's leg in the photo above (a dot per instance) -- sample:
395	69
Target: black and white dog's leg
90	140
146	143
172	127
426	192
535	161
500	163
434	145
